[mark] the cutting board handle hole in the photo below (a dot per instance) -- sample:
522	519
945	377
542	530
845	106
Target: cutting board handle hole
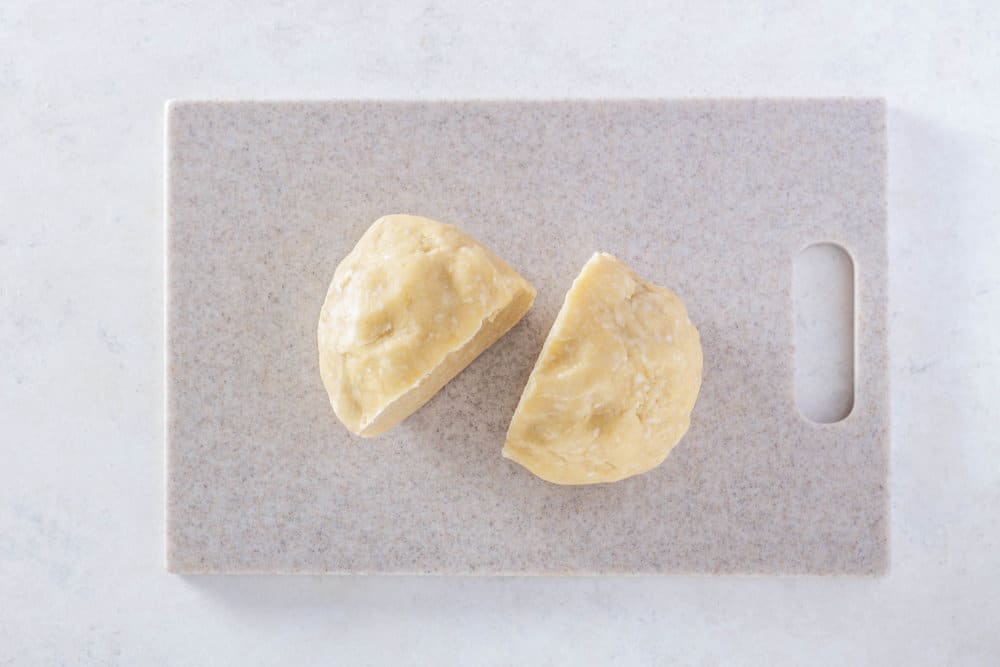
823	301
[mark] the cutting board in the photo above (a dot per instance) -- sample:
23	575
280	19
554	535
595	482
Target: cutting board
713	198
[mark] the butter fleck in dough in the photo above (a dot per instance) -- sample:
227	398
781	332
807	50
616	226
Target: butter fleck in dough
413	304
614	386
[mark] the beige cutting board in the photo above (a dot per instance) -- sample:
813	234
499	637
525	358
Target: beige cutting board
713	198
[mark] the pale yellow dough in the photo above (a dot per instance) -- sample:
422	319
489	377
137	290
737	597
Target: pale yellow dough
413	304
613	388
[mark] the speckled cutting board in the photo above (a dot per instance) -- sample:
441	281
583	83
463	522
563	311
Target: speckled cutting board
711	197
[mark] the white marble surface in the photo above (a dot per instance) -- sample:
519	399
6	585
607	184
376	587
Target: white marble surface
82	87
